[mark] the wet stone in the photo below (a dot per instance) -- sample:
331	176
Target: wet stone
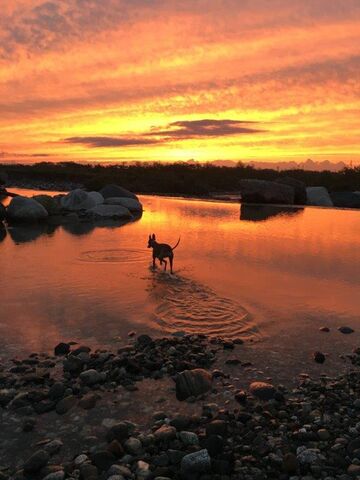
62	349
197	462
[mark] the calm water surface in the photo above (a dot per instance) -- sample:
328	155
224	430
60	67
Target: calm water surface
273	276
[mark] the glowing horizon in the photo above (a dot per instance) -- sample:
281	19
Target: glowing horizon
111	80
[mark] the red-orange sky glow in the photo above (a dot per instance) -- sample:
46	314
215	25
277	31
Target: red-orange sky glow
156	80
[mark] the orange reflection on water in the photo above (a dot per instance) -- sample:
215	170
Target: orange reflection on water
259	273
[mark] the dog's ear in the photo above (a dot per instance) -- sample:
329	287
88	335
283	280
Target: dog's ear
149	236
153	236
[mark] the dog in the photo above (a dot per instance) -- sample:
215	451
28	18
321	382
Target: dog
162	251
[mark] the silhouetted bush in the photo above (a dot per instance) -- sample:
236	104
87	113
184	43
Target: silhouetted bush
179	178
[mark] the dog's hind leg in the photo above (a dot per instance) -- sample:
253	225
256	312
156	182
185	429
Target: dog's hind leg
165	265
171	264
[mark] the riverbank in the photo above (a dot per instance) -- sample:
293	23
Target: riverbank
166	408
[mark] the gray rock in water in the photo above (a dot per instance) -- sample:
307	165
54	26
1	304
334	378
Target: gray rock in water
26	210
120	432
110	191
346	330
133	446
262	390
262	191
48	202
197	462
318	196
109	211
36	462
299	187
130	203
191	383
77	200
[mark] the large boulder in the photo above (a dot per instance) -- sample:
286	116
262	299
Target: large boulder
49	203
26	210
298	186
346	199
262	191
191	383
318	196
2	212
77	200
115	191
97	197
109	211
130	203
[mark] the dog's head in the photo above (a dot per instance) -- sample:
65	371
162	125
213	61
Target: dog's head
152	241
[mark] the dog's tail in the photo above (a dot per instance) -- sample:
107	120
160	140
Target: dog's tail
173	248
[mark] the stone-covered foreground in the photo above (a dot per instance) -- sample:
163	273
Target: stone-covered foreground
312	431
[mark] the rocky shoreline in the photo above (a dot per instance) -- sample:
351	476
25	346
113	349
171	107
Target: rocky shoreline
164	409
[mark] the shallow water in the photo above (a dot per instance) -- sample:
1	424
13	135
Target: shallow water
266	274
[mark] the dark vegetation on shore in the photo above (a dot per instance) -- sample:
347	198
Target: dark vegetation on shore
179	178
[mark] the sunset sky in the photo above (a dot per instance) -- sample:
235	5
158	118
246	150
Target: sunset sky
173	80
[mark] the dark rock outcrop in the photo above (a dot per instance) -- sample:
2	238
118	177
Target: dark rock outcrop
345	199
299	187
262	191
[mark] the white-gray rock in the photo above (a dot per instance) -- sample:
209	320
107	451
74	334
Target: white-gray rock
78	200
308	455
318	196
109	211
189	438
129	203
197	462
26	210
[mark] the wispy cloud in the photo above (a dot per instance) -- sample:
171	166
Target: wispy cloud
175	131
104	141
205	128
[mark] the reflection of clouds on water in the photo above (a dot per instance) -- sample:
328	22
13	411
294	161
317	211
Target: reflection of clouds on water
184	304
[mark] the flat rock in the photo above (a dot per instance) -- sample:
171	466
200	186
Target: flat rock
109	211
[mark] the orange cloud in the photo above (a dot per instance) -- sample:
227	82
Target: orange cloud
103	73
